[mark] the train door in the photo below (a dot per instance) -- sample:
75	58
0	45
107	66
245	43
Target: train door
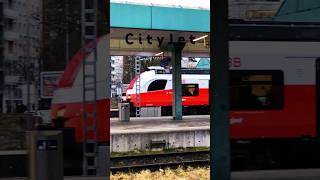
156	94
299	113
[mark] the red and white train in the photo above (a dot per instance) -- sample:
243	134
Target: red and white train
67	99
156	88
273	89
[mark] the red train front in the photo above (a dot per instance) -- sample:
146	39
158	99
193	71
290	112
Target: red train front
67	100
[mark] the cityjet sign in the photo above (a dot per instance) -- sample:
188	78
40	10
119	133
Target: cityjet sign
160	39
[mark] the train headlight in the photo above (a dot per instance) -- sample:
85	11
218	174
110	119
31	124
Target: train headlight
128	98
61	113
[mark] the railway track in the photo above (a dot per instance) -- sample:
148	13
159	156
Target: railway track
157	161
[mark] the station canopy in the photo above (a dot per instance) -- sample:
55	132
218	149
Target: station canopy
189	4
145	27
299	11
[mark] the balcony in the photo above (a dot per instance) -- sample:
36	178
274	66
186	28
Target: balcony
11	79
10	35
10	13
10	56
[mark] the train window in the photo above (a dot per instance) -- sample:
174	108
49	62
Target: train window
157	85
190	90
256	89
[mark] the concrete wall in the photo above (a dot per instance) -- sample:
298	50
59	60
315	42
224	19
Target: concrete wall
122	142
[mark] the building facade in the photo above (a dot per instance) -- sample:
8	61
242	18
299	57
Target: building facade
21	44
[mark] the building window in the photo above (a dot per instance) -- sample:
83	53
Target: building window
10	24
157	85
10	46
190	90
10	3
17	93
256	89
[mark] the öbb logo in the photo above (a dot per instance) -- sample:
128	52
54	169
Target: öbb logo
235	62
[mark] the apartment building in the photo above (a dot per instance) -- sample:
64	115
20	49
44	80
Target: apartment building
21	44
116	75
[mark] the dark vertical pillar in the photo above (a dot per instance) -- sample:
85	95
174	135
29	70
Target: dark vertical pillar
2	104
219	92
176	49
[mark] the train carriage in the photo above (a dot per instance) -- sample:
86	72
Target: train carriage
272	89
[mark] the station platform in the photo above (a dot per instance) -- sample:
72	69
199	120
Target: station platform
142	133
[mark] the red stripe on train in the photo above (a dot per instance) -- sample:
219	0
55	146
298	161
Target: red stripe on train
296	119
